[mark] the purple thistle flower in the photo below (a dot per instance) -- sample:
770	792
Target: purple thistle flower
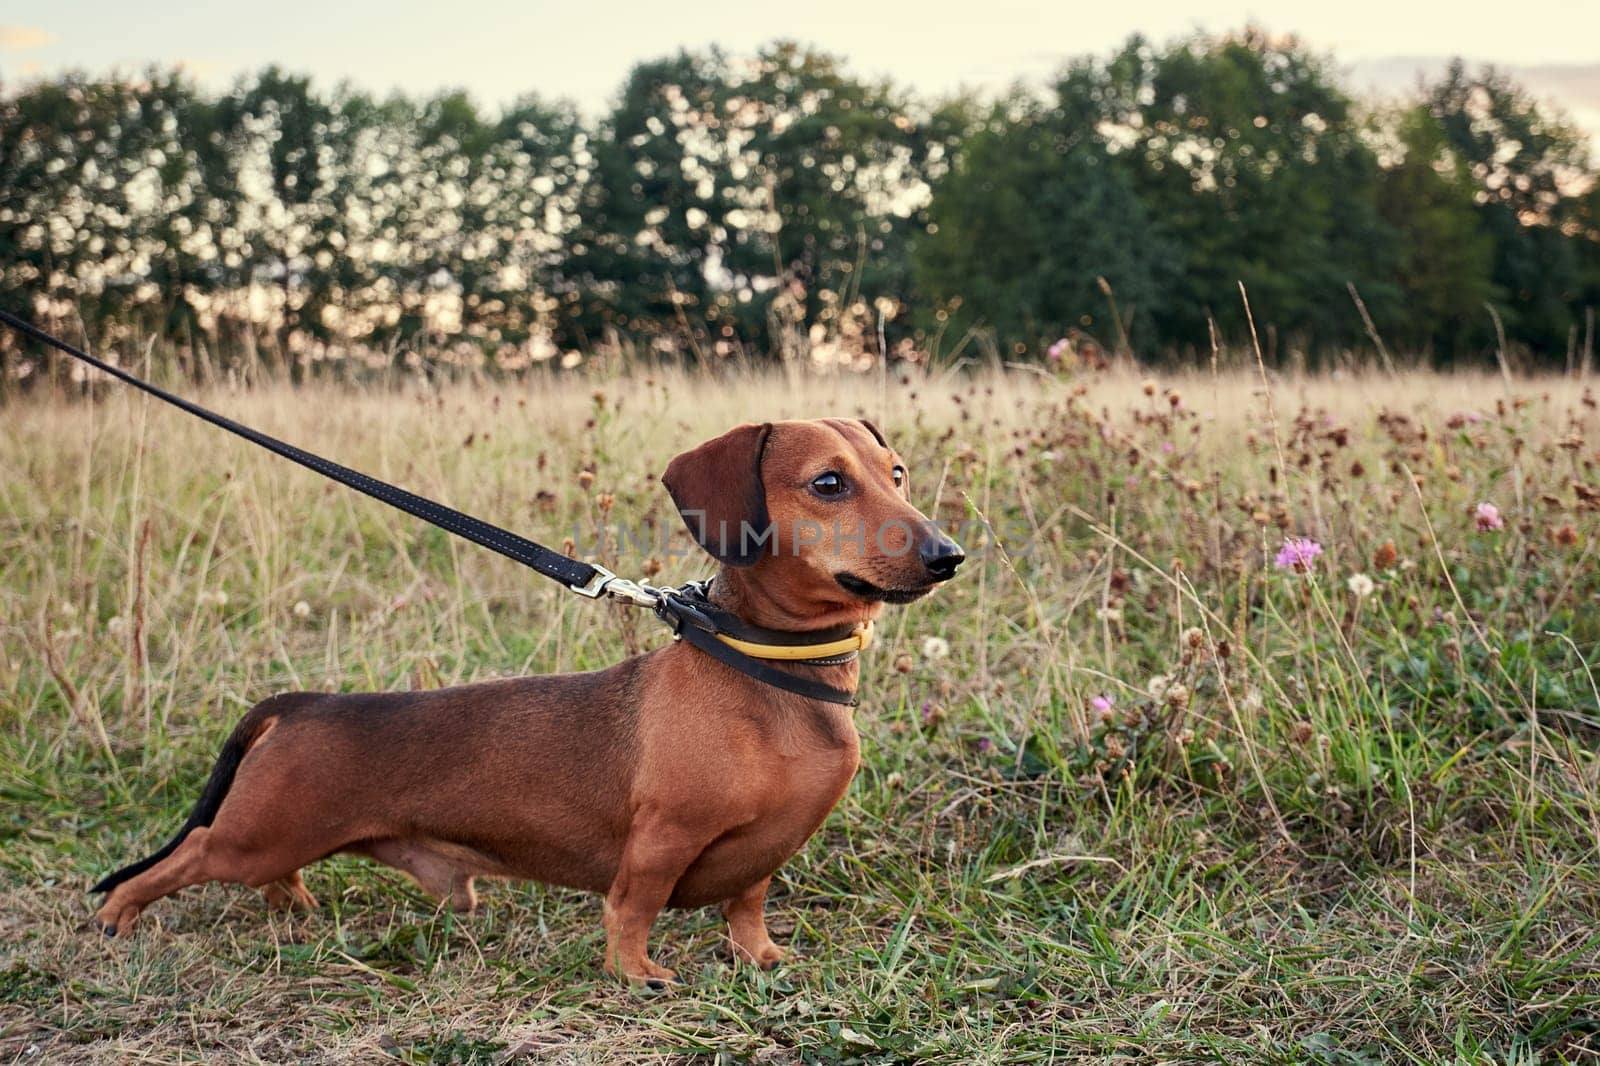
1298	554
1101	704
1488	518
984	744
1057	350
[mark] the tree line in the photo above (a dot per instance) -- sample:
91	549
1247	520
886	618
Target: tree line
781	206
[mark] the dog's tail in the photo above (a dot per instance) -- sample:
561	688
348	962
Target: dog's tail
216	789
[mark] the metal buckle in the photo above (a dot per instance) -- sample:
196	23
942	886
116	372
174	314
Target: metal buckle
596	584
605	583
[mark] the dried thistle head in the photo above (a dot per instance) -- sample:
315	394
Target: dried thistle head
1386	556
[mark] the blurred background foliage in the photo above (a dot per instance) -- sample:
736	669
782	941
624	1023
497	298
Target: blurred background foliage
779	206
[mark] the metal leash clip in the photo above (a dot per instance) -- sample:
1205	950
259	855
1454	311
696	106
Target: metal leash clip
633	593
605	583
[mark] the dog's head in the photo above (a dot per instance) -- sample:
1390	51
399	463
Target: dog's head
815	514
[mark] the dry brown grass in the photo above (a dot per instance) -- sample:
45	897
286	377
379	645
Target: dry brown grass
1366	833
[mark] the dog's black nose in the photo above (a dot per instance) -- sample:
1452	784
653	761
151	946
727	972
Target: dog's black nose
941	556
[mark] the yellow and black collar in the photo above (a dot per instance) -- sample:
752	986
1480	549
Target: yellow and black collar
748	649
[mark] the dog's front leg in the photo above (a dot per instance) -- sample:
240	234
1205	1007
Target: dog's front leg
655	856
747	927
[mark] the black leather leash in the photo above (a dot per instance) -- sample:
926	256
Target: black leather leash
687	611
573	573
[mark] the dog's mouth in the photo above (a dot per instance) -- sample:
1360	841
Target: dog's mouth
866	590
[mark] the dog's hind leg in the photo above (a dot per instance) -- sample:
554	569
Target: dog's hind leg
206	854
250	843
184	866
244	828
209	853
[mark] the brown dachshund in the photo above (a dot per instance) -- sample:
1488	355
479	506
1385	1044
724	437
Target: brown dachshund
670	779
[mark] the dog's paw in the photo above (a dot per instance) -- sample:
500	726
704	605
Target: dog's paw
114	921
646	974
655	978
288	895
767	956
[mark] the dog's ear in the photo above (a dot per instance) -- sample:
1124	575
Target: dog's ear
718	490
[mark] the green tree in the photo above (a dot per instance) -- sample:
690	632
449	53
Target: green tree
1035	212
836	180
1444	257
483	206
1583	222
1525	166
719	186
652	215
1249	152
289	127
107	187
741	205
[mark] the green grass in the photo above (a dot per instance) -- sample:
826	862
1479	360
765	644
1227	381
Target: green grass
1313	828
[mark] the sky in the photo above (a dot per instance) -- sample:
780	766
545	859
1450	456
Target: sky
582	51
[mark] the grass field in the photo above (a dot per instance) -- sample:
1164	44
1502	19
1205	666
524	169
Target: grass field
1147	795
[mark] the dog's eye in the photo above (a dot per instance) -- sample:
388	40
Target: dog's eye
899	475
828	484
